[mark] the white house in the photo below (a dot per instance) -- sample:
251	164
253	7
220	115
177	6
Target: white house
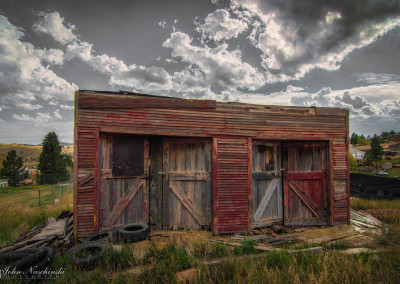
358	154
3	182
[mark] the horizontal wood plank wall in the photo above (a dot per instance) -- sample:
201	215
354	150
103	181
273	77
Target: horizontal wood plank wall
232	185
87	182
340	200
230	119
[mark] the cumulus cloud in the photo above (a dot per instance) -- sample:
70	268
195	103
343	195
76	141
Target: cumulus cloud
372	78
219	25
40	117
137	77
295	37
219	64
66	107
25	75
29	106
53	24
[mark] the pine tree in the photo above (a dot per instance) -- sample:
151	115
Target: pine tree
13	168
52	163
376	151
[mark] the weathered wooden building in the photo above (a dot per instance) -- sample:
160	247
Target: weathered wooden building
201	164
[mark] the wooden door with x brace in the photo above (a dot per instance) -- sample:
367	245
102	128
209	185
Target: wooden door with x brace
186	184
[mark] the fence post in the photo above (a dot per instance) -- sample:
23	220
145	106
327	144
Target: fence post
62	190
52	191
39	198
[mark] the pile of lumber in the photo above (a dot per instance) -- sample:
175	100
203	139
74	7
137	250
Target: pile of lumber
52	233
365	223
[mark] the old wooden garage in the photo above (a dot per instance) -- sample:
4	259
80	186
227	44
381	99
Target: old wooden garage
201	164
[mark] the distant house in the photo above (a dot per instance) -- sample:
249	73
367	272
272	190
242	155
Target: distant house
358	154
387	166
32	171
3	182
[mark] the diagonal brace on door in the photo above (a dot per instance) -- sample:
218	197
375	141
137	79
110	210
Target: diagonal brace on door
184	199
266	198
124	202
307	201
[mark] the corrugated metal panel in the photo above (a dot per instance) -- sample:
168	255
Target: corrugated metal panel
233	185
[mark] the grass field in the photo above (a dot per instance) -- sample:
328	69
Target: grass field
167	260
29	195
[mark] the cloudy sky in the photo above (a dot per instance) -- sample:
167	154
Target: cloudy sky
343	53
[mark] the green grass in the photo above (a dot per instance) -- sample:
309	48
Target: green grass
107	268
29	195
364	204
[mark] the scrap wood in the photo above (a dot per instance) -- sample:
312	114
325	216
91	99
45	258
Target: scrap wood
52	233
270	249
256	239
365	223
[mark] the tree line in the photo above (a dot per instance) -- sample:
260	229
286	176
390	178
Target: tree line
52	163
384	137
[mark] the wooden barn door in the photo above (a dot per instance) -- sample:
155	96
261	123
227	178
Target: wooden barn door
187	184
305	180
266	191
123	196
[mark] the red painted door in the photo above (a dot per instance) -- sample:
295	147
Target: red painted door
305	183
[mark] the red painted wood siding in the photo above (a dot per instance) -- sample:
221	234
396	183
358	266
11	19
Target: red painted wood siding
85	203
240	122
232	185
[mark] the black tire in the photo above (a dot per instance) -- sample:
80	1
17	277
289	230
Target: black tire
90	260
42	264
104	236
10	257
133	232
36	255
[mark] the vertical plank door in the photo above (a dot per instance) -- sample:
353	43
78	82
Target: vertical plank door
187	184
305	183
266	185
123	191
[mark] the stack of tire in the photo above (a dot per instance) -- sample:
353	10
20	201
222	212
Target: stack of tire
100	242
27	261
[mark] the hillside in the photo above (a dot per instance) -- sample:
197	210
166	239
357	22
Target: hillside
29	153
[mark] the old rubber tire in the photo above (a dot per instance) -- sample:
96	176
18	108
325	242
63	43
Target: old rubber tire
90	260
36	255
133	232
42	264
99	237
10	257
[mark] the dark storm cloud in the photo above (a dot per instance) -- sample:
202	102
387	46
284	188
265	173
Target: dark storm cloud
307	13
299	36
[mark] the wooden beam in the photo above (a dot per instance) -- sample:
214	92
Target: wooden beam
215	184
124	202
84	180
266	198
307	201
108	101
183	198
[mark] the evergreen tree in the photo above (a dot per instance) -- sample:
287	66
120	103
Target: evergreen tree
13	168
52	163
353	139
376	151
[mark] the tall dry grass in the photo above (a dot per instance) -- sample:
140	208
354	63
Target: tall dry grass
17	219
